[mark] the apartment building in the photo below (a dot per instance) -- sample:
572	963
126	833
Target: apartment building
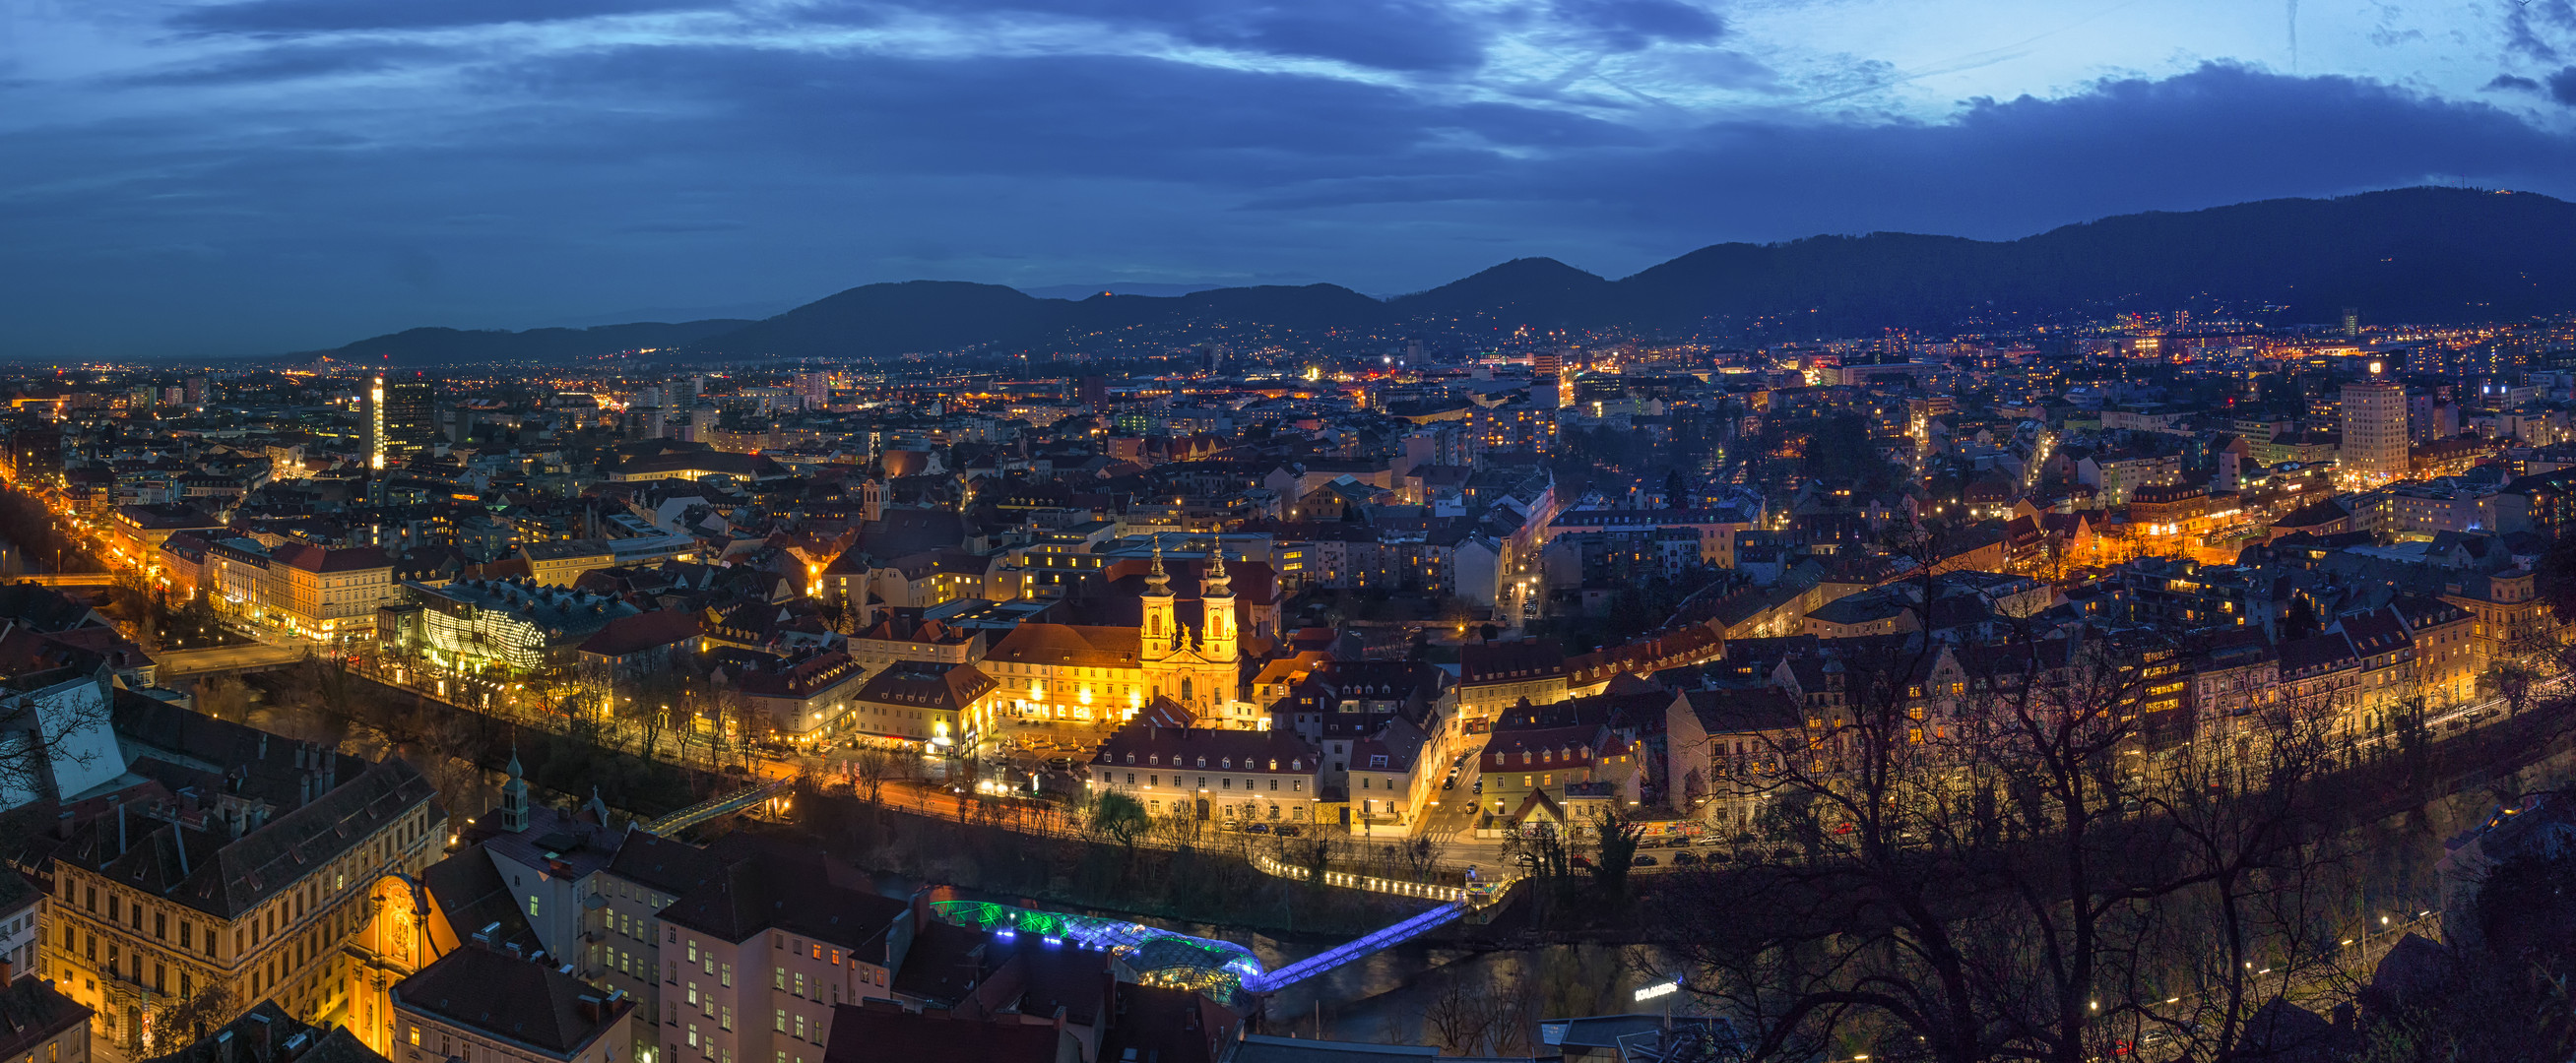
253	870
313	591
478	1004
1268	776
38	1022
755	958
1493	677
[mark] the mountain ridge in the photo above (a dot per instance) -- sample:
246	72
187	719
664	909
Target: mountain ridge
2418	255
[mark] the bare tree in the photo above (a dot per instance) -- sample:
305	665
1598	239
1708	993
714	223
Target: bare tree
1990	870
870	767
1458	1015
208	1008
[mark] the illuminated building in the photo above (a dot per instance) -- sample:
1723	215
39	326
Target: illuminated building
286	882
512	626
2374	430
1270	776
1100	673
399	420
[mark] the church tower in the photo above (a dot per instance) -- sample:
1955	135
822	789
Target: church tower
514	798
1216	621
1155	639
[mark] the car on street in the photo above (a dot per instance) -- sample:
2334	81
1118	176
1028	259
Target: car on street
1580	860
1642	860
1257	828
1685	859
1285	830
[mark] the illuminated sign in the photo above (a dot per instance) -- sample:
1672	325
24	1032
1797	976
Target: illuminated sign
1659	989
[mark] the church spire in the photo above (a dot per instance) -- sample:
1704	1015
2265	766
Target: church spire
514	796
1216	582
1217	635
1159	632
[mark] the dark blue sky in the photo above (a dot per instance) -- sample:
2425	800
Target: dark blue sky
186	178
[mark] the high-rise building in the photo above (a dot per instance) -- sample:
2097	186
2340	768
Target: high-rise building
400	418
814	390
2374	430
1095	393
702	422
196	396
2351	321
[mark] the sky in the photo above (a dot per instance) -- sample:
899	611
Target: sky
183	178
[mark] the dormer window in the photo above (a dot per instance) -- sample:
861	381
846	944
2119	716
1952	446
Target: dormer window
1202	762
1227	763
1131	758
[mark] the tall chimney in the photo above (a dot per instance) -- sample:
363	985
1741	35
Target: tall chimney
120	828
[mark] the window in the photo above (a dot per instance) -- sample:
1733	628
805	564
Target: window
800	1027
778	978
800	985
532	906
727	978
779	1022
415	1036
727	1021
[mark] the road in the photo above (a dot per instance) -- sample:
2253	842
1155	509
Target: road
181	663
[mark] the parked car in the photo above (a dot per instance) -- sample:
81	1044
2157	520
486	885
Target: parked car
1285	830
1580	860
1709	839
1257	828
1642	860
1685	859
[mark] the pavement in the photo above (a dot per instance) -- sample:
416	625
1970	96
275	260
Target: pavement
178	663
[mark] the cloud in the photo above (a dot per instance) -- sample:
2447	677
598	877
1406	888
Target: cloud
2513	83
2562	86
505	185
285	17
290	62
1414	36
1629	25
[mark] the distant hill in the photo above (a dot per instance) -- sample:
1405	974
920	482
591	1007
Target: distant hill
2424	255
446	345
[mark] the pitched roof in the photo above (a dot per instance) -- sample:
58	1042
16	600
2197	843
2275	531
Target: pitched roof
923	684
513	999
863	1034
32	1013
1516	660
642	631
227	876
773	888
1069	644
312	558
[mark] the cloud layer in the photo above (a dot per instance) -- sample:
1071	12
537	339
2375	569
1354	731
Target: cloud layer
261	175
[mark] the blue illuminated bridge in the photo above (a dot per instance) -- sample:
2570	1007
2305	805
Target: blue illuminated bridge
1163	957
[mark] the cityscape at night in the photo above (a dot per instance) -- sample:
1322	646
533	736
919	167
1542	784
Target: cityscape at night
1642	531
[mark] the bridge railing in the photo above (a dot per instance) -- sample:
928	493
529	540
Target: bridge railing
717	806
1477	895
